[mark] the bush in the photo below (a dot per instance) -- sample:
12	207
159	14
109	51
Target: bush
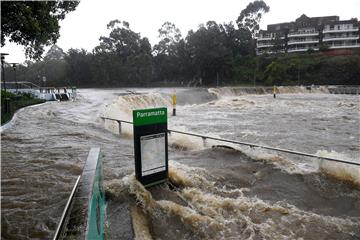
15	103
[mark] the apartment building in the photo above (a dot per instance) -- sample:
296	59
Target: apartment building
307	33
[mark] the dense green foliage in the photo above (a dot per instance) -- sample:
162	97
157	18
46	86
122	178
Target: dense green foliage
33	23
15	102
214	54
315	68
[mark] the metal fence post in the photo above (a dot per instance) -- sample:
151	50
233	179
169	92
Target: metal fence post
119	122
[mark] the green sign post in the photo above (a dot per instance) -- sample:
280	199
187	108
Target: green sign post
151	145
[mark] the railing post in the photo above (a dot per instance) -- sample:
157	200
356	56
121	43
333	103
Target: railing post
204	141
7	107
119	123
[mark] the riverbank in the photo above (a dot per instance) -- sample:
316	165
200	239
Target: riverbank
10	103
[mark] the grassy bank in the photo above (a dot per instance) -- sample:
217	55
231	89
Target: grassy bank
15	102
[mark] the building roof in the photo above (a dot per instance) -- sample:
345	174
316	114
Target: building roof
316	20
304	21
279	27
353	21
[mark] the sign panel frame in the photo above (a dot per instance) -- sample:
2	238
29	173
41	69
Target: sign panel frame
150	127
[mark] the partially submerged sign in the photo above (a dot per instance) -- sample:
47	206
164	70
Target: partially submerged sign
151	145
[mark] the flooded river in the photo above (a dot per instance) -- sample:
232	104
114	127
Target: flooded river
222	192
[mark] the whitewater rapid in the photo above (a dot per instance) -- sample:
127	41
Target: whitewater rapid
227	193
251	193
318	123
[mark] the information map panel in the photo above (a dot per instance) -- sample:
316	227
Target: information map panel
152	153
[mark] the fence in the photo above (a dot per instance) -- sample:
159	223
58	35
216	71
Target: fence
204	137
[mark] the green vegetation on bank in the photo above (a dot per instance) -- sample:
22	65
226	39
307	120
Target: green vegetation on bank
15	102
317	68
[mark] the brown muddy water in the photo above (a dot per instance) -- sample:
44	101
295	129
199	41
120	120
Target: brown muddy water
220	192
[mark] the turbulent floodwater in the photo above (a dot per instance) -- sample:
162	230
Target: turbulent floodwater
221	193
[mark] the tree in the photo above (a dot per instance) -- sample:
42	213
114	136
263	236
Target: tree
275	73
250	17
78	71
169	35
209	51
123	56
169	54
278	44
239	40
323	47
55	53
33	24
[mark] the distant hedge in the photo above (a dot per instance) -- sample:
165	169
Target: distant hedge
15	102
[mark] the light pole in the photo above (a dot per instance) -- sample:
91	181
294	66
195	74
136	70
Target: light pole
2	68
44	80
14	67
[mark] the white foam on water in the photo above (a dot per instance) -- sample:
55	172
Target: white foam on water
10	123
232	102
239	91
219	214
185	142
123	106
341	171
249	217
140	224
255	153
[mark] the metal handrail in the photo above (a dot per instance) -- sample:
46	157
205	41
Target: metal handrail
249	144
66	210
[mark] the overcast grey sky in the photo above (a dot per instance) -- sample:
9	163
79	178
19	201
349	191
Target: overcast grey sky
83	27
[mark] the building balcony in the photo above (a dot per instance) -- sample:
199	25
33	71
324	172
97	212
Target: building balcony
340	38
310	41
268	52
332	30
264	45
304	49
264	38
344	45
268	38
302	34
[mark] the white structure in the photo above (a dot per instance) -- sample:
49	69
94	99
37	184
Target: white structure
309	34
303	39
46	93
341	35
